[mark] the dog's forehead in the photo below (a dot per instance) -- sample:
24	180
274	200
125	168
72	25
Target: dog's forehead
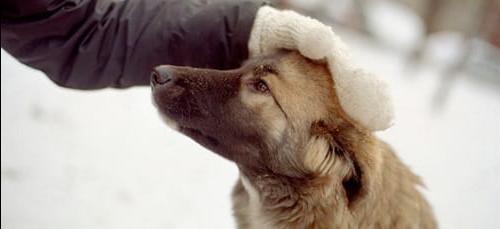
272	59
283	62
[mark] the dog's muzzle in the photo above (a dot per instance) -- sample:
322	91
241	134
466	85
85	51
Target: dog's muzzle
161	75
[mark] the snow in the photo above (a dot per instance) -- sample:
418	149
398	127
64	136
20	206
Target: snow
103	159
384	14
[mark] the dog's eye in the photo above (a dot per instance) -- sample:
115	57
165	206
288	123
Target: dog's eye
261	86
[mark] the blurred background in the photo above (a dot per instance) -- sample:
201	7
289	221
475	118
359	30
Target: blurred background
103	159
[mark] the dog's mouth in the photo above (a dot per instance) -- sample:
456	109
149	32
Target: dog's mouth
199	136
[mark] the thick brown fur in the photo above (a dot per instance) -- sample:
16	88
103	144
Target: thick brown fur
303	162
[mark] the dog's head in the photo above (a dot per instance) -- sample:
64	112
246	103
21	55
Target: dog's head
277	114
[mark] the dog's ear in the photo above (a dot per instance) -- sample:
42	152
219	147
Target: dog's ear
320	152
335	152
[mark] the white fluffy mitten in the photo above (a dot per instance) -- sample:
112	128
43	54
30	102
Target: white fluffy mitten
363	96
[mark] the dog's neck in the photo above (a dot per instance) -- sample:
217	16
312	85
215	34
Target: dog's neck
283	202
278	201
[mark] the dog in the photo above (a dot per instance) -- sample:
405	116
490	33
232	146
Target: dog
303	162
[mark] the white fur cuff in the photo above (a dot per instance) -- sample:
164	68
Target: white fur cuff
363	96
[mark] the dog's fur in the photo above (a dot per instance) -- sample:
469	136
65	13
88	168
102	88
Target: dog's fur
303	163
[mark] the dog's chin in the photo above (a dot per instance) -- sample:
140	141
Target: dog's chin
170	122
194	133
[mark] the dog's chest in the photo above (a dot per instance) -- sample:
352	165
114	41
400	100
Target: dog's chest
254	210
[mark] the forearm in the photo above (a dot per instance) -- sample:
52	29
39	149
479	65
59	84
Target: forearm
95	44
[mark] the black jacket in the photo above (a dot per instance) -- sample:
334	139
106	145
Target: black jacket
90	44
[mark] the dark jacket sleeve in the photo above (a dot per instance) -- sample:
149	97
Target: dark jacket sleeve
90	44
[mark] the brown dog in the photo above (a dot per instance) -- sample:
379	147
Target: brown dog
303	163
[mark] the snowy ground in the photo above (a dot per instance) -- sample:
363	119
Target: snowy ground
103	159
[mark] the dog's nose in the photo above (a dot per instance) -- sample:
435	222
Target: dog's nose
161	75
